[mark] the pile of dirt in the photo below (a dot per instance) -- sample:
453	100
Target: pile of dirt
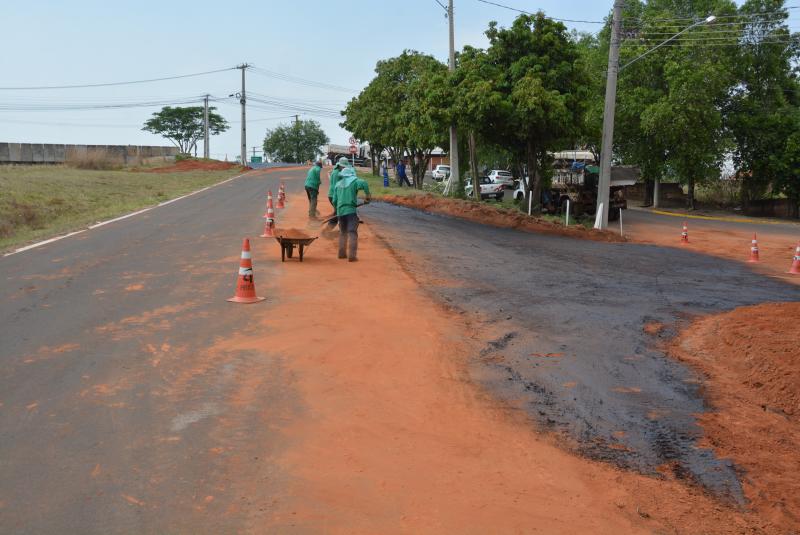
197	165
292	233
751	360
497	217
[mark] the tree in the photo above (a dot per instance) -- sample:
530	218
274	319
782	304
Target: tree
297	142
404	109
762	113
527	92
670	103
184	127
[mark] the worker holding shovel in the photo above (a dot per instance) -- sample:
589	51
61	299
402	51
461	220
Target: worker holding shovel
345	198
312	188
342	163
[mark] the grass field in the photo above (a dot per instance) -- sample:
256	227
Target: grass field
39	201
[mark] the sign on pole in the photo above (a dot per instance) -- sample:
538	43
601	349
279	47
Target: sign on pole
353	140
353	149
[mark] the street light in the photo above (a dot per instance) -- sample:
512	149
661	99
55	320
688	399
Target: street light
604	184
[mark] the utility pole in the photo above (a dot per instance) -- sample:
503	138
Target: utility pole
453	133
243	102
608	117
297	120
206	152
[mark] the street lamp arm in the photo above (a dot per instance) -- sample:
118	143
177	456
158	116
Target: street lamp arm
708	20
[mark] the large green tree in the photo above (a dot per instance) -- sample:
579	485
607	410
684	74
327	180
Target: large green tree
297	142
403	109
670	117
762	112
184	126
527	92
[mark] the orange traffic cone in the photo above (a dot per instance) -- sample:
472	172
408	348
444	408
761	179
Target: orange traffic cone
269	204
685	233
269	222
754	249
245	286
281	196
795	269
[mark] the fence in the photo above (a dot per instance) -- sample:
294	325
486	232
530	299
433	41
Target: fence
52	153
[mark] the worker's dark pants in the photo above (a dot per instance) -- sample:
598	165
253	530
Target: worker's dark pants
402	179
334	220
348	236
312	201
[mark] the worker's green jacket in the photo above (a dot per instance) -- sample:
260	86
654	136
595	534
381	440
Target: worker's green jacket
345	194
334	180
312	178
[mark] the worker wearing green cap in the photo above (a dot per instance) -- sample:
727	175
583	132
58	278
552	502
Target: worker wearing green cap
345	198
341	163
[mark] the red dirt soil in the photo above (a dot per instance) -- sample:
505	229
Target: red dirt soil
751	360
197	165
394	437
490	215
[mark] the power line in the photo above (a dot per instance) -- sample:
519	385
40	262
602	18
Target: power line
529	13
109	84
441	5
102	106
301	81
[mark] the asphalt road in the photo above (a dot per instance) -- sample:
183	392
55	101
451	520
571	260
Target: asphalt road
116	413
567	322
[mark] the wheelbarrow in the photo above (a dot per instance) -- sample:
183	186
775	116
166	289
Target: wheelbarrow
291	240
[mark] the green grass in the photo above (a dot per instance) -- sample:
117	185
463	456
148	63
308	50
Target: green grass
376	186
39	201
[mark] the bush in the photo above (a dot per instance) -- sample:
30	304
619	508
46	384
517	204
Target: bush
96	159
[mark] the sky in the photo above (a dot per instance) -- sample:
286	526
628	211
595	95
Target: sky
334	42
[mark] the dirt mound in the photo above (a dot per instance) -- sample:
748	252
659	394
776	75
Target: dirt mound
197	165
497	217
292	233
751	360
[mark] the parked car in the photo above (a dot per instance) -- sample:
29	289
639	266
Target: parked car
498	176
441	172
489	189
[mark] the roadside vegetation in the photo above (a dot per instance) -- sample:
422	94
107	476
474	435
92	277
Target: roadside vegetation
720	103
39	201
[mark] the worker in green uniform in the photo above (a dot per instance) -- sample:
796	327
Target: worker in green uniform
342	163
312	188
345	198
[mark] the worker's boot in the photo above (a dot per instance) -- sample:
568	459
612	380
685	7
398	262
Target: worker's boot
353	246
342	245
312	208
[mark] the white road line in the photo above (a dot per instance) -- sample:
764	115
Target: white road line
126	216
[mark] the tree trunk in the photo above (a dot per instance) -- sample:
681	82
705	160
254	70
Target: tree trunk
649	190
473	166
690	196
534	181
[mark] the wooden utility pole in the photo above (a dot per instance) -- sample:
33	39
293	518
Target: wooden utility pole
206	151
243	102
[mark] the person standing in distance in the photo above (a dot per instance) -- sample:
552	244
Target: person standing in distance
345	195
400	171
312	188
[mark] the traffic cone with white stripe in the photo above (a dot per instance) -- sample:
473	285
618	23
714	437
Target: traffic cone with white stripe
245	286
685	233
754	249
281	196
269	203
795	269
269	221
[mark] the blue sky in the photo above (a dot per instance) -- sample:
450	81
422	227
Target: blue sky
333	41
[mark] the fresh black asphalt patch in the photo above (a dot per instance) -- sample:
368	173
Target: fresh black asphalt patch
570	345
